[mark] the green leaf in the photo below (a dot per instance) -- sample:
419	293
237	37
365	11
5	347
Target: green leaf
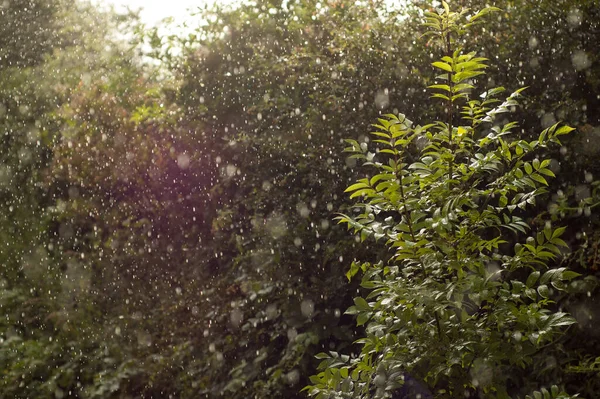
354	268
569	275
442	65
518	172
361	192
446	7
438	95
558	232
564	130
462	87
546	172
362	318
545	163
532	279
531	294
382	134
381	176
461	76
543	291
538	178
559	242
503	201
483	12
356	186
361	303
550	275
441	87
344	372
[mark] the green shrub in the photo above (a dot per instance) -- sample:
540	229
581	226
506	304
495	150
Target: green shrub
457	308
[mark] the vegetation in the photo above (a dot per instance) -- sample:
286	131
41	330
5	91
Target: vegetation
452	308
167	227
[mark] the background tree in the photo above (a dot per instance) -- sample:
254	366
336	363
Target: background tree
172	227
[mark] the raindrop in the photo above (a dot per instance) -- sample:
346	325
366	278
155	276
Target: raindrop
144	338
533	42
293	377
25	155
534	62
230	170
183	160
272	312
236	317
517	336
5	175
351	162
307	307
580	60
582	191
575	17
548	119
292	334
382	99
302	209
276	225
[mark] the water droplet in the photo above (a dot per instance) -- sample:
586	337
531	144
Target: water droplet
236	317
183	161
580	60
307	307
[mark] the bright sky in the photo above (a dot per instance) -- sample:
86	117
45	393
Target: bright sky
153	11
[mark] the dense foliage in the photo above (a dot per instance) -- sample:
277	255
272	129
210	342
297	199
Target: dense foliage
168	230
452	308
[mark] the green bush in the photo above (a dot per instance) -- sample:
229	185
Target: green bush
457	309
